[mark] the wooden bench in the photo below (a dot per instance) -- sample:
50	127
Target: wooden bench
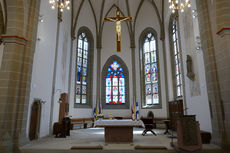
82	122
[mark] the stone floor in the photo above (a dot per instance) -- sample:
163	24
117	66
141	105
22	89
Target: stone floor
95	137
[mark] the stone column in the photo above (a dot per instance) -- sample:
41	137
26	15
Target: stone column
165	73
13	84
133	47
215	45
15	72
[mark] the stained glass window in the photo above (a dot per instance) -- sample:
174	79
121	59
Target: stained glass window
81	66
150	70
115	84
177	60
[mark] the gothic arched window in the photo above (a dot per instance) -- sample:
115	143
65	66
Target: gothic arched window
115	84
149	69
84	60
176	58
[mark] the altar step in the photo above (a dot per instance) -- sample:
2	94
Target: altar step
98	151
110	151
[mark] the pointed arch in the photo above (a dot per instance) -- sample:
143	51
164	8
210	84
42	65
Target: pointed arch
122	65
76	18
94	15
137	13
155	8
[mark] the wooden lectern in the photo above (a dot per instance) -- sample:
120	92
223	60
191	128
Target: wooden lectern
188	135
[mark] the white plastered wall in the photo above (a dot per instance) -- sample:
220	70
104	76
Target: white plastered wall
148	18
195	98
42	75
43	65
109	49
85	19
196	103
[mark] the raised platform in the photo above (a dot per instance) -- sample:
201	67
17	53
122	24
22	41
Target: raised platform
91	140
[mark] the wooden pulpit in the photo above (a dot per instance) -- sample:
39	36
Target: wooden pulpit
188	135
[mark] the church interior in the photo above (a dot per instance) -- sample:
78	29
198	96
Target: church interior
97	73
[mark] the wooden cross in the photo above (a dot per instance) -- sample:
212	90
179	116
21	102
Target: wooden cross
118	18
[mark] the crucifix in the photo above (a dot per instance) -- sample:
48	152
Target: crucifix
118	18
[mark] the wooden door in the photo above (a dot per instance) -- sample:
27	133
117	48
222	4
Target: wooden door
63	109
176	111
35	120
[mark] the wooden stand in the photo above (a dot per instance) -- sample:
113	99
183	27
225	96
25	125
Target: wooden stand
175	112
167	122
189	139
205	137
119	134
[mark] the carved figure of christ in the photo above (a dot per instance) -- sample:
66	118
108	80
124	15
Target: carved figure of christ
118	20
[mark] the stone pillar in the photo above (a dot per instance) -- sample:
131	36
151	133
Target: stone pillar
216	45
15	72
165	73
12	84
134	73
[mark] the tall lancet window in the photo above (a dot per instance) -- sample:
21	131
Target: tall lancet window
84	64
115	84
82	61
176	57
150	70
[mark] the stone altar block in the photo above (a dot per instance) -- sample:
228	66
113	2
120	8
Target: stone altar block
118	130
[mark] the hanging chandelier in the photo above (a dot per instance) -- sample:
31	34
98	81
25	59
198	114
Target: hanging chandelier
61	4
179	4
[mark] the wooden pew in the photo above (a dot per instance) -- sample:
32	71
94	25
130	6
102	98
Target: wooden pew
82	122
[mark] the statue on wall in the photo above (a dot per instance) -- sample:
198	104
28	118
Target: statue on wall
190	73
